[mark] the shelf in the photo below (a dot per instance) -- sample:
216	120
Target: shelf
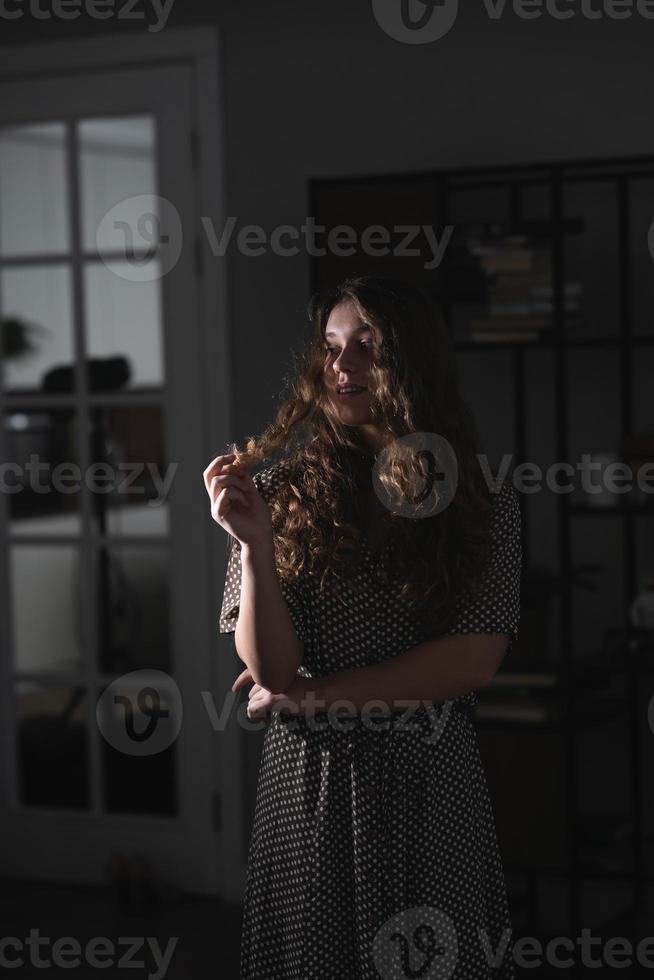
585	874
550	343
17	399
630	651
606	850
589	673
587	510
508	173
554	715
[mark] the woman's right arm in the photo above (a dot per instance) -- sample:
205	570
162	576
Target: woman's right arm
265	637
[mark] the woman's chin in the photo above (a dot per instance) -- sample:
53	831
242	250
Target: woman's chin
358	406
353	416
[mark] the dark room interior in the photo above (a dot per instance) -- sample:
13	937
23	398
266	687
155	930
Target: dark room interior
177	180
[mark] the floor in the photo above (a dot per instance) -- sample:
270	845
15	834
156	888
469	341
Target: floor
207	933
202	935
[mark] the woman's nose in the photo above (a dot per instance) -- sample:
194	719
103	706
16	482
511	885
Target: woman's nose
344	362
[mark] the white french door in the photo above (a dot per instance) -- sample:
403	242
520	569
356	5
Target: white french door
103	617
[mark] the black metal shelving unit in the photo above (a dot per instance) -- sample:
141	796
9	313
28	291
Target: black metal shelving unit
353	200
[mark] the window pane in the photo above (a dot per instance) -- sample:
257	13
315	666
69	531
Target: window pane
639	448
123	318
642	368
597	540
33	190
35	304
117	162
642	256
52	742
47	608
41	476
133	608
592	259
129	440
139	716
139	784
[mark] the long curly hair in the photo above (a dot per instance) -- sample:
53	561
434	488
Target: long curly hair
319	512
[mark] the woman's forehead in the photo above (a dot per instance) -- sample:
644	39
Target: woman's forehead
345	319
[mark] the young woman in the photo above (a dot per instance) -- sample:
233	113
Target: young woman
366	627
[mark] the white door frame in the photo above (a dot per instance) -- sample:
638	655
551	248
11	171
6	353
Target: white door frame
199	48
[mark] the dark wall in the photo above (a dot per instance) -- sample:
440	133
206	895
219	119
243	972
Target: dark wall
317	88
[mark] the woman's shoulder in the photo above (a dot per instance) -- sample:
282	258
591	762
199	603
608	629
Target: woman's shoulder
505	513
503	494
268	480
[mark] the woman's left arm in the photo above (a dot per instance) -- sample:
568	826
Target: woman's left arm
469	655
436	670
442	668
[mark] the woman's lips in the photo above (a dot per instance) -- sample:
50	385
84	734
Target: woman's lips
351	394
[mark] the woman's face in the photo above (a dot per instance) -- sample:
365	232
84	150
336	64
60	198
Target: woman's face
348	356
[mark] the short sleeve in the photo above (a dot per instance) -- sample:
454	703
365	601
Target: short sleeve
495	606
232	591
265	482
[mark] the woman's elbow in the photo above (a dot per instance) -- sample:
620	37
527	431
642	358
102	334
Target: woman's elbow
277	682
272	675
491	656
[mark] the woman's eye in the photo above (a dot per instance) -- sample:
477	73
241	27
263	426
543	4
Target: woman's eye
362	343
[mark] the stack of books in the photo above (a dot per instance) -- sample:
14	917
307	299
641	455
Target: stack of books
538	698
521	697
518	271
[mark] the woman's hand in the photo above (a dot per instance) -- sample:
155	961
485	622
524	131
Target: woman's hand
236	504
263	702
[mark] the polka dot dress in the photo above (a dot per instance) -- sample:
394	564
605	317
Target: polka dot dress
373	850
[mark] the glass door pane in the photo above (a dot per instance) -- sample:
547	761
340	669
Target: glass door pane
123	320
117	162
133	614
47	599
34	203
88	463
41	476
128	439
52	745
37	323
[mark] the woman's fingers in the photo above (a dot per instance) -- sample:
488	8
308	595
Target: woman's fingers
243	678
260	699
258	715
214	467
258	709
223	503
233	478
225	499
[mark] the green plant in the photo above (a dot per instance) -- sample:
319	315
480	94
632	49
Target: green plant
18	338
